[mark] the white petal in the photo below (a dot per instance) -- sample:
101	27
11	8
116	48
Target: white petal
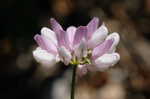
64	55
98	36
115	36
69	37
48	33
43	57
81	49
71	33
107	60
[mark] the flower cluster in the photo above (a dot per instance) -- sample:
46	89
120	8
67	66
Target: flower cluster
88	47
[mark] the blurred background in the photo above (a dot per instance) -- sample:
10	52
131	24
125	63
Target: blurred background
22	78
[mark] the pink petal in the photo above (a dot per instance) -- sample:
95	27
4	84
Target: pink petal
45	44
82	70
102	48
92	26
39	41
81	49
80	34
116	38
91	68
56	27
50	46
61	38
70	33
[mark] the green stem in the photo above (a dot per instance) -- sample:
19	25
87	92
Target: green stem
73	82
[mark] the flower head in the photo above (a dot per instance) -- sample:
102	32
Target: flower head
89	47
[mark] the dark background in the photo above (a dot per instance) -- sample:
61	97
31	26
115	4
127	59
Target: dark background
20	20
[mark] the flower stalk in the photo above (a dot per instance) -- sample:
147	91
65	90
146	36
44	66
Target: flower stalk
72	95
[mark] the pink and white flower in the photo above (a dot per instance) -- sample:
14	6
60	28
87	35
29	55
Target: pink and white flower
89	47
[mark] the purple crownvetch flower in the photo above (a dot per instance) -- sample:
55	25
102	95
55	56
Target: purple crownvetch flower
89	47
